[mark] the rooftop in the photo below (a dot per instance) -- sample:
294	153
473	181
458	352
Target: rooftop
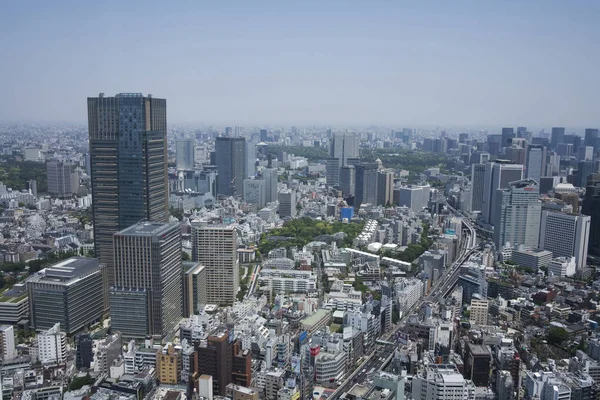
146	229
316	317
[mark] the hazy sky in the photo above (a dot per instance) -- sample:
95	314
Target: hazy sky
532	63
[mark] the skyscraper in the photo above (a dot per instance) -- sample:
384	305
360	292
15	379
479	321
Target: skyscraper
287	203
215	247
344	146
591	138
58	175
507	136
558	137
498	175
251	143
517	215
254	192
230	153
185	154
565	235
385	188
591	207
477	185
362	173
347	180
536	162
128	157
270	177
146	298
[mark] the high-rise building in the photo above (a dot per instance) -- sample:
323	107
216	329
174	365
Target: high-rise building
385	188
168	365
194	287
517	215
128	157
414	197
591	138
270	177
535	162
70	292
59	179
8	349
264	136
521	131
498	174
287	203
332	171
215	247
591	207
362	173
477	186
347	180
478	361
565	235
230	154
146	297
184	152
558	137
254	192
586	153
585	169
215	358
508	134
479	311
251	143
344	146
494	144
85	355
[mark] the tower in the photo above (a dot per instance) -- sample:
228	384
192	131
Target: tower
536	162
185	154
230	154
128	159
146	297
498	175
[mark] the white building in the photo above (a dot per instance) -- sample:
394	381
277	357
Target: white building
254	192
185	154
414	197
562	266
479	311
330	366
409	291
442	382
565	235
8	349
52	346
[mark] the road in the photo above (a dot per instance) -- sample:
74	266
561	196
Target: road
384	353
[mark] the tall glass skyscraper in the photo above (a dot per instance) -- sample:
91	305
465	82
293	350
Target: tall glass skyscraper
230	154
128	158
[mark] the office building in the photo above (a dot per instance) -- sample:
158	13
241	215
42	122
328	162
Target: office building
215	247
558	137
287	203
84	355
479	311
565	235
52	346
254	192
478	361
230	157
498	174
442	382
362	172
168	365
344	146
332	171
584	170
59	179
531	258
494	144
215	358
184	152
264	135
347	180
269	175
508	134
251	156
8	349
591	207
477	186
562	266
128	157
414	197
517	215
146	297
385	188
586	153
591	138
70	292
194	288
536	162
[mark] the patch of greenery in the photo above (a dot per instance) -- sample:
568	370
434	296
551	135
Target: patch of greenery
80	381
300	232
413	161
15	174
557	335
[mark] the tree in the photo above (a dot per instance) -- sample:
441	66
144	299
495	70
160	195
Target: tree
557	335
185	256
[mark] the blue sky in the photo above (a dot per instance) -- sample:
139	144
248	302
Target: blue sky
492	63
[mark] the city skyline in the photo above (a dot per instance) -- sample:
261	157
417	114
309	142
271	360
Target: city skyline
311	63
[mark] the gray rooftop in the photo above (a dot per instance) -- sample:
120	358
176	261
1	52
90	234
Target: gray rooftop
146	229
71	268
